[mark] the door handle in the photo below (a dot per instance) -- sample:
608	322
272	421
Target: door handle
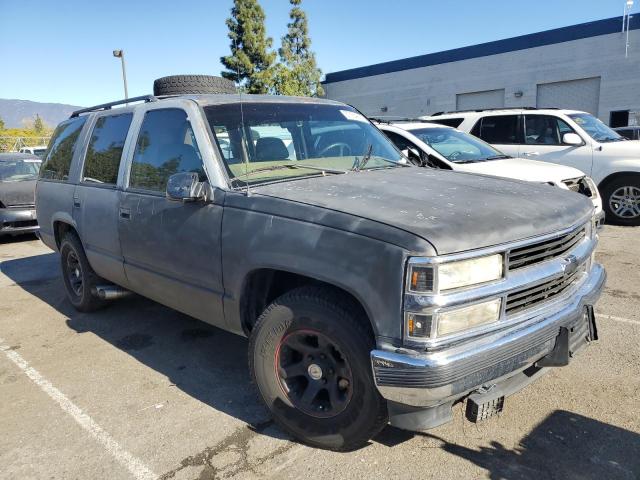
531	154
125	213
76	201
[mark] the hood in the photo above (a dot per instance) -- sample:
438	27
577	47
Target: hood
13	194
626	149
522	169
454	211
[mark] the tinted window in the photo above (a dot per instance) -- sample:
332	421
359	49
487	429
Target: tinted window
166	145
399	141
449	122
105	149
501	129
61	148
545	130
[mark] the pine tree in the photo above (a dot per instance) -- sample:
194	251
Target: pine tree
38	125
297	74
251	60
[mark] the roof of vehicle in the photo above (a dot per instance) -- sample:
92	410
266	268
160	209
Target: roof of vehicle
415	125
210	99
501	111
13	156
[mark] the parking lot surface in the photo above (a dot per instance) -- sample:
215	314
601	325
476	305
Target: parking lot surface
140	391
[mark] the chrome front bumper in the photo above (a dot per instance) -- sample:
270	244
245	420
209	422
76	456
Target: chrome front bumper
429	379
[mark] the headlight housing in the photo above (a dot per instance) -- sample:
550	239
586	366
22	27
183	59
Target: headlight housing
434	278
592	186
447	322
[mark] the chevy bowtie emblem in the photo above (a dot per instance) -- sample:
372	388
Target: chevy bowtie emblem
570	265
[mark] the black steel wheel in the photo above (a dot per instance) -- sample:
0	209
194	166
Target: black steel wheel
309	355
314	374
78	277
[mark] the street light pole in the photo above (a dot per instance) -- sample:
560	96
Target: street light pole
120	54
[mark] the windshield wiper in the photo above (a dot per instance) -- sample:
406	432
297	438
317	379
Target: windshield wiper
288	166
497	157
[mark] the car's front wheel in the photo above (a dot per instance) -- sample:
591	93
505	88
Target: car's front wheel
309	356
621	200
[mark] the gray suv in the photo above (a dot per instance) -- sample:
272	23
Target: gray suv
372	291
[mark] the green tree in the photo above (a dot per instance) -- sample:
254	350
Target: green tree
1	124
298	73
251	60
38	125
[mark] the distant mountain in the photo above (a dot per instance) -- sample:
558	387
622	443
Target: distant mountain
16	112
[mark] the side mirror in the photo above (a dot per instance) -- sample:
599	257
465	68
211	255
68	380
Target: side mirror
413	155
572	139
185	187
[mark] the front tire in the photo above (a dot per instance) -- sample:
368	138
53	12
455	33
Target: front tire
621	201
309	356
78	276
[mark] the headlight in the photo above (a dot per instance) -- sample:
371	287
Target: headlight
447	276
592	186
439	324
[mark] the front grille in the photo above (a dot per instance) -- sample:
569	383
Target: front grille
532	296
20	224
579	185
545	250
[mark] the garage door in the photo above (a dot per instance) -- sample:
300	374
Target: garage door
581	94
480	100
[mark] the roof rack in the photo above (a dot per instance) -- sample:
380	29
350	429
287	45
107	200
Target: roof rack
107	106
392	119
491	110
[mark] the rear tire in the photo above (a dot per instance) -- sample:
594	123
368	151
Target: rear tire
79	278
621	201
192	84
347	409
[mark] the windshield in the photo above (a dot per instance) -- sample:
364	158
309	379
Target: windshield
595	128
264	142
19	170
457	146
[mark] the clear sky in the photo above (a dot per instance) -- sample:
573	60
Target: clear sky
60	51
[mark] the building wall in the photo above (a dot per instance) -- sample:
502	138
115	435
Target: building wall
426	90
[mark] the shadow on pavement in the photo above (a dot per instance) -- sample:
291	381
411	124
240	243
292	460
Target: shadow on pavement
205	362
564	445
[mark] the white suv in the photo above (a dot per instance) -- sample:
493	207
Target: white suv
438	146
566	137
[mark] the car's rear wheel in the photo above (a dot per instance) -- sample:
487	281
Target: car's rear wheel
78	277
309	357
621	200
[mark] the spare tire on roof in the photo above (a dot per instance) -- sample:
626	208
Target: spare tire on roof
192	84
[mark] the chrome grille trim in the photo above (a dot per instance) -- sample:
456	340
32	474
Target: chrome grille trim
545	250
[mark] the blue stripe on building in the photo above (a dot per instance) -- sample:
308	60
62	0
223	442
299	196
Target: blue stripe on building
540	39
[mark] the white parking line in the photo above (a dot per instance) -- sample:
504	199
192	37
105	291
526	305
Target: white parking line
131	463
619	319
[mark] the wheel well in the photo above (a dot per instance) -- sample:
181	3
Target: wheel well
60	229
263	286
615	176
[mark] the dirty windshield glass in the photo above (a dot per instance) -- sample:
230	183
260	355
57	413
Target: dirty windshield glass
595	128
19	170
263	142
456	146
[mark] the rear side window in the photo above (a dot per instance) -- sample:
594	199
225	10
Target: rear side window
449	122
61	149
104	152
166	145
500	129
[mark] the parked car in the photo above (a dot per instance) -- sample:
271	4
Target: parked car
438	146
18	174
371	290
566	137
632	133
39	151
